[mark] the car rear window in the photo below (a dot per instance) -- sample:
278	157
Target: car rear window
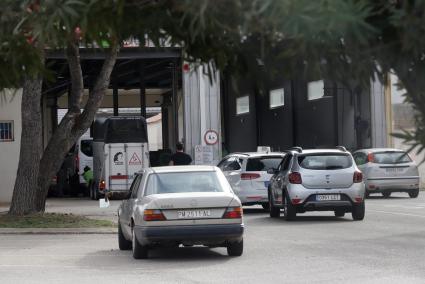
263	163
391	158
160	183
325	161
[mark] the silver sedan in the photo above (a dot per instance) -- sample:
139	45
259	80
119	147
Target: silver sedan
181	205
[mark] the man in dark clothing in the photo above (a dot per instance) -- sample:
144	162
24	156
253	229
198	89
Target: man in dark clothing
180	158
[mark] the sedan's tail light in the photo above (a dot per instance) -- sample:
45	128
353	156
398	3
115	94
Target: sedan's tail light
153	215
357	177
370	158
233	213
295	178
249	176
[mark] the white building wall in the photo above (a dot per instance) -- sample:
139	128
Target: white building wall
202	113
10	109
154	125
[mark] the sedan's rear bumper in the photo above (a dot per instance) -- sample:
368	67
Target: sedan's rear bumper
193	234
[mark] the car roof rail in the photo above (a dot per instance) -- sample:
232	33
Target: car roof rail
342	148
297	149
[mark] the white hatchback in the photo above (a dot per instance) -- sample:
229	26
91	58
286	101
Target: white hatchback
247	174
180	205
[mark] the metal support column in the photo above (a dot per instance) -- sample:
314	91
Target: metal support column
142	90
115	99
175	102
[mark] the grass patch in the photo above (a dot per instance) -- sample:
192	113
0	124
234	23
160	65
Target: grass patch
51	220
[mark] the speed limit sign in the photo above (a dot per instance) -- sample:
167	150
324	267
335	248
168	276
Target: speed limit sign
211	137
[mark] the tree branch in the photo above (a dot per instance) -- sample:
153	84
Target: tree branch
75	71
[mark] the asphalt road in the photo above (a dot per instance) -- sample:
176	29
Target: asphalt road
387	247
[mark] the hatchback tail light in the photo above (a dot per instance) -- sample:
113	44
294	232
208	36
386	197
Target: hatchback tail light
370	158
295	178
249	176
153	215
233	213
357	177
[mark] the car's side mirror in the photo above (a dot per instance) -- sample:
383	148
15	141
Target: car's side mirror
271	171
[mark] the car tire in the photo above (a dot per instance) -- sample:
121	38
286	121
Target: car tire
414	193
386	194
274	212
139	251
235	249
358	212
266	206
339	213
289	210
123	244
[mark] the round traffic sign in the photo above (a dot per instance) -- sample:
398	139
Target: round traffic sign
211	137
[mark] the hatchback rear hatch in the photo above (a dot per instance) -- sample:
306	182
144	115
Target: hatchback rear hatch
392	164
257	167
326	170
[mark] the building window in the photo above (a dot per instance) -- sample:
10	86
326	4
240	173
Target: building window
242	105
6	131
277	98
315	90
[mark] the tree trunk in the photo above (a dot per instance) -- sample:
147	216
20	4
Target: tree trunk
25	190
74	123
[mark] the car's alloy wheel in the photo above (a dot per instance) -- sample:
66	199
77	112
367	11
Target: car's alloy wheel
414	193
123	244
289	209
235	249
358	212
139	251
273	211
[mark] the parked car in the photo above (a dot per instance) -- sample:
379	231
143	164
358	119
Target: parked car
185	205
247	174
317	180
388	170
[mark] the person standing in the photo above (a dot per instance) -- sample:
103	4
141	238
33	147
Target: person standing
180	158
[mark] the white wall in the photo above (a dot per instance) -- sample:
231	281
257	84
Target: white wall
10	109
155	132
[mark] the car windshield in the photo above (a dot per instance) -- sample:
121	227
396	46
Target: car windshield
391	158
325	161
263	163
160	183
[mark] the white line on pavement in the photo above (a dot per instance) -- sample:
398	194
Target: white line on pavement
398	213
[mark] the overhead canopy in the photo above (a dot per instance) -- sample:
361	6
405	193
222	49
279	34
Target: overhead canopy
129	129
135	66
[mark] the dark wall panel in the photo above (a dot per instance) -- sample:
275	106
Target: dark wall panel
241	130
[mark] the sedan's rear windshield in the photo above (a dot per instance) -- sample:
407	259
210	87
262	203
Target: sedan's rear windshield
391	158
325	161
160	183
263	163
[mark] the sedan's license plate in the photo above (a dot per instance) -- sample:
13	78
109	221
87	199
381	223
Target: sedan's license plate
193	214
327	197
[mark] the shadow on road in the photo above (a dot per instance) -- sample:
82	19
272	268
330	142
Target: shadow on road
254	211
172	257
300	220
377	197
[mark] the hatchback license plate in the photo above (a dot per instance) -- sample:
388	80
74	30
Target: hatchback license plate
328	197
193	214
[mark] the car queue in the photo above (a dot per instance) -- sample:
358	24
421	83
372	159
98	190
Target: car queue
202	205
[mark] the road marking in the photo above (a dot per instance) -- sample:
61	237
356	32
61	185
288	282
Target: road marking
398	213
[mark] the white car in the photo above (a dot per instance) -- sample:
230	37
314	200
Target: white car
180	205
247	174
388	170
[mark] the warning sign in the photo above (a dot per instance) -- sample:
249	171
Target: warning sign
135	160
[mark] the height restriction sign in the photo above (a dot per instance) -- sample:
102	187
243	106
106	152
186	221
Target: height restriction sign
211	137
